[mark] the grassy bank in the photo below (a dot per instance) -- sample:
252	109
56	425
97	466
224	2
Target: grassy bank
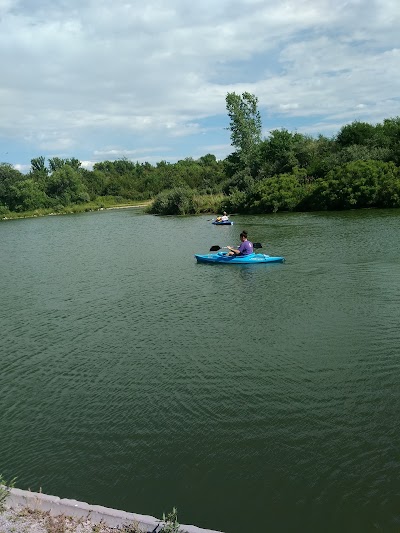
100	203
166	204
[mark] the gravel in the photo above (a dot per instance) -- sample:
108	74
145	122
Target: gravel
26	520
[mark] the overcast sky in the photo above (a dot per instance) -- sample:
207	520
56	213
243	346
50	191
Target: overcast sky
147	80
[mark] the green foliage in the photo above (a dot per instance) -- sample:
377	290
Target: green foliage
358	184
245	125
28	195
9	178
236	202
4	211
171	524
240	181
355	133
38	164
208	203
278	153
285	171
95	182
66	185
178	201
5	487
284	192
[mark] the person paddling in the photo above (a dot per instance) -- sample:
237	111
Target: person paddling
245	248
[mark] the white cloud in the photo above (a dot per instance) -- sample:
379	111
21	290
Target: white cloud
77	77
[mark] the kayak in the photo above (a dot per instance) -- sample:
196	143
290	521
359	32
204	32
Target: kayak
222	222
223	259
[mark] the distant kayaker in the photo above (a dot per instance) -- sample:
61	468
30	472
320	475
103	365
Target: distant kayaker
224	217
245	248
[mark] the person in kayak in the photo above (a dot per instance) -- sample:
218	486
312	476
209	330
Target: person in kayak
245	248
224	217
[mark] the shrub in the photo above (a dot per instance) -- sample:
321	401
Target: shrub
279	193
178	201
359	184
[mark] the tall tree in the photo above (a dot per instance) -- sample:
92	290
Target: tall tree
38	164
245	125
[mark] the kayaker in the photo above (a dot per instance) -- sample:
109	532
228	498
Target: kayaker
224	217
245	248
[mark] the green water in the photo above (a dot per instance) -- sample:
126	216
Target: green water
254	398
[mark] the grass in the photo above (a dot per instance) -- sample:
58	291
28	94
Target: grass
25	519
102	202
5	487
208	203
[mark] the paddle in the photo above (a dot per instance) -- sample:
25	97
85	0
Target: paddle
216	247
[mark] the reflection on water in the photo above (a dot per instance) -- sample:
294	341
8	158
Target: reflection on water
268	391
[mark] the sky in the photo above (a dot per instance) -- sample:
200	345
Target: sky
147	80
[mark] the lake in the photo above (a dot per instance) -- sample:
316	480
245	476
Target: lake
251	397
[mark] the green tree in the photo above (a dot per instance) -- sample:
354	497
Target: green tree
358	184
95	181
9	177
55	163
277	153
245	125
279	193
38	164
355	133
28	195
65	184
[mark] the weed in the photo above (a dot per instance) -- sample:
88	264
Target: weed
171	524
5	487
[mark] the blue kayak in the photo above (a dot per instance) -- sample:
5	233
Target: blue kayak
223	259
222	222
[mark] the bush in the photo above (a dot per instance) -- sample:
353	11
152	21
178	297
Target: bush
359	184
4	211
178	201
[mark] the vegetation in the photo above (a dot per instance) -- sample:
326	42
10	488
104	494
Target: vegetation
357	168
5	487
171	524
27	519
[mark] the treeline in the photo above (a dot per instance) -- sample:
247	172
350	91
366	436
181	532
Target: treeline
358	167
58	183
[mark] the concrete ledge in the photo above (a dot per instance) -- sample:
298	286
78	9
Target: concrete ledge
96	513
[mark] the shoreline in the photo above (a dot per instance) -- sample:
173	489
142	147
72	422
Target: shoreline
72	212
24	507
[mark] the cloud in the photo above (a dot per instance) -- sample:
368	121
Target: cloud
78	77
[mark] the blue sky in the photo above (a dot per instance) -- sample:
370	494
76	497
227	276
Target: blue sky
100	80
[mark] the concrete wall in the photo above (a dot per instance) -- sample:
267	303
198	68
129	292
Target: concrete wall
112	517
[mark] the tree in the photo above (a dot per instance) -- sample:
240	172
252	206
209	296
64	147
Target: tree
279	193
245	125
38	164
65	185
278	153
359	184
27	195
355	133
9	177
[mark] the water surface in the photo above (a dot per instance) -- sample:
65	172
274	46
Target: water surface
253	397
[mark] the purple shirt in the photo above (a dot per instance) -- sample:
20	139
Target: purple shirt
246	248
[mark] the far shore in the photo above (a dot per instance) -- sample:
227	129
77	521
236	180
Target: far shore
126	206
69	210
